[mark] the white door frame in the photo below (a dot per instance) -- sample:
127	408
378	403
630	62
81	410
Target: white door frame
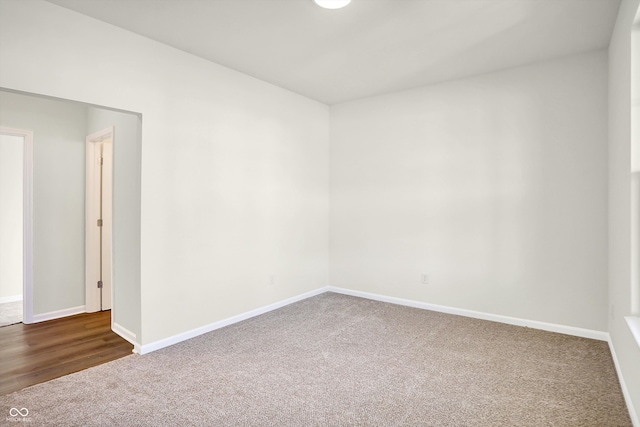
27	220
92	232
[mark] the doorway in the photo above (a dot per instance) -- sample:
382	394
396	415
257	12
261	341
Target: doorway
60	281
99	196
16	244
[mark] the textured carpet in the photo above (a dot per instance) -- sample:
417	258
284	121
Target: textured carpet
10	313
335	360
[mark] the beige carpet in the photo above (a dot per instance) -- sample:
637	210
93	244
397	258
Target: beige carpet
10	313
335	360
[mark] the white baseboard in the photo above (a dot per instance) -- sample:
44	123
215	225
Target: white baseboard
534	324
12	298
127	335
58	314
625	391
166	342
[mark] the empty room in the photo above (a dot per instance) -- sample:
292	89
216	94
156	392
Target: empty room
323	213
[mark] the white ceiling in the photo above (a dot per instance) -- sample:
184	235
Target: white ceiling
371	46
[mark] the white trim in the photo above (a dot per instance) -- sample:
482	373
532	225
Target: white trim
27	194
58	314
92	297
534	324
634	324
635	238
625	391
27	308
551	327
12	298
126	334
166	342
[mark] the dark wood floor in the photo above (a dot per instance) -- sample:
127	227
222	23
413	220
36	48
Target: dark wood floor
32	354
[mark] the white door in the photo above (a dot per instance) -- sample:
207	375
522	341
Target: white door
99	286
15	226
11	262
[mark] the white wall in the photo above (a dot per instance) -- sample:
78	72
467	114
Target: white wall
58	196
234	183
495	186
626	348
126	211
635	166
635	96
11	247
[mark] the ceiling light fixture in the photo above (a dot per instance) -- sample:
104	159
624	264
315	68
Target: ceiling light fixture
332	4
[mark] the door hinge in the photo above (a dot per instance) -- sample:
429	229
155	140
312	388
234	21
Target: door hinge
100	284
99	223
101	160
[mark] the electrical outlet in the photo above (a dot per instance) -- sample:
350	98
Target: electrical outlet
424	278
272	280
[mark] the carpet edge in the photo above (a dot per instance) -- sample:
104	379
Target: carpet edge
166	342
